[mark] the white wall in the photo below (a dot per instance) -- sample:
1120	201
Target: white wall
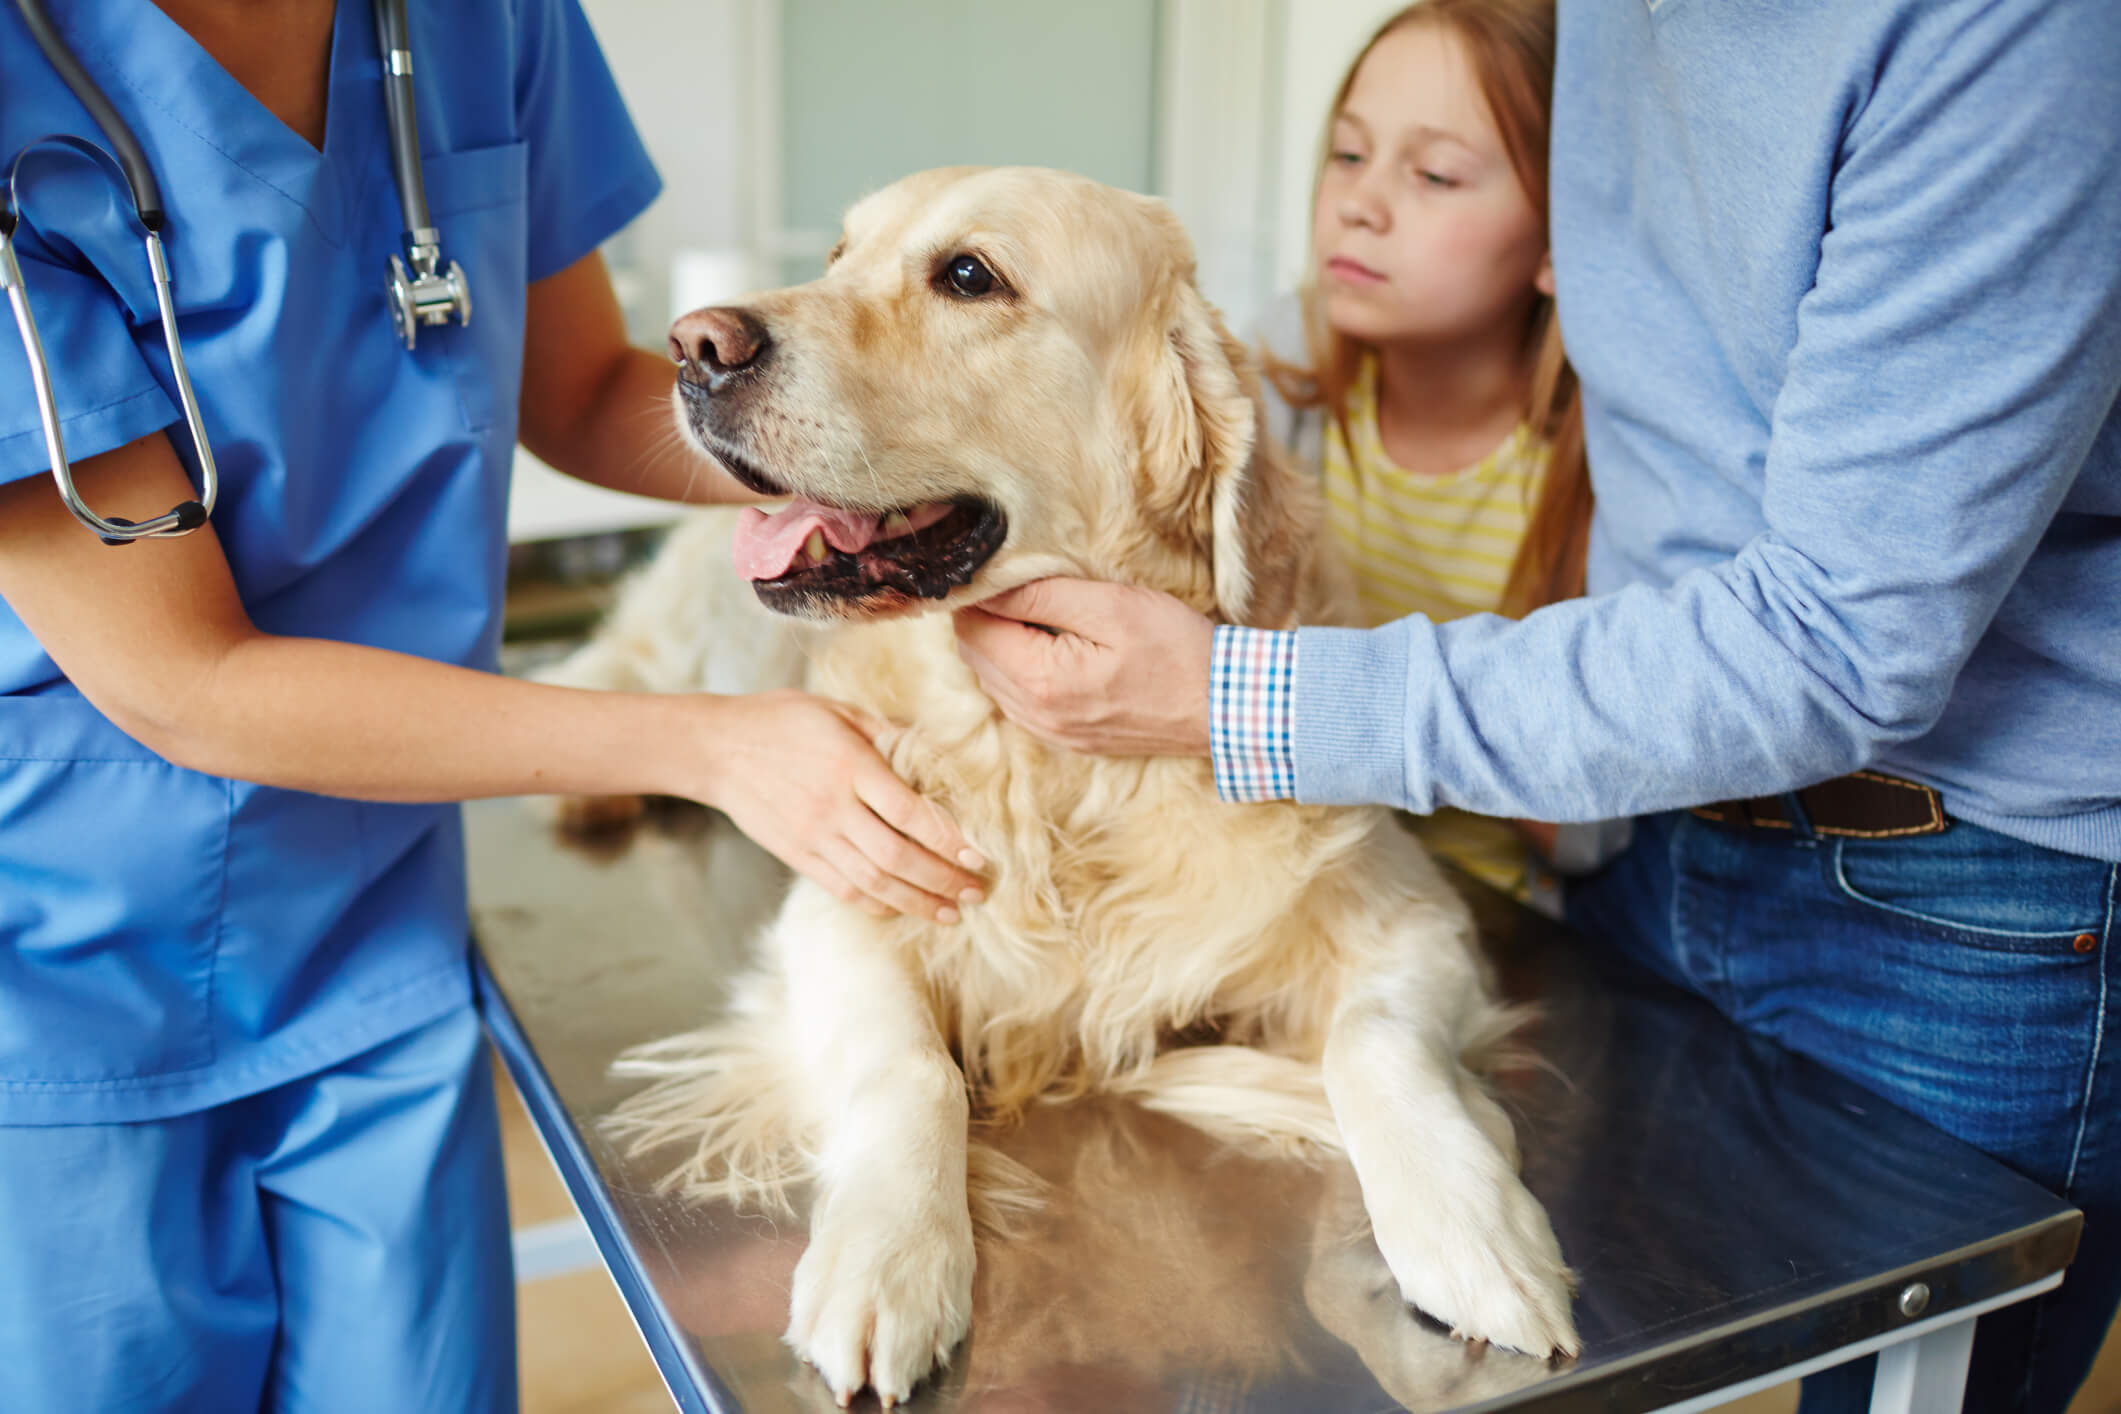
872	91
686	69
1217	138
1319	38
1243	90
687	72
1245	84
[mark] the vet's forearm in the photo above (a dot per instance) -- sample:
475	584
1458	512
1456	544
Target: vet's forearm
342	719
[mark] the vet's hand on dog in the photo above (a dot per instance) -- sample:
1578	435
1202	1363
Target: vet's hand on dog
833	809
1110	669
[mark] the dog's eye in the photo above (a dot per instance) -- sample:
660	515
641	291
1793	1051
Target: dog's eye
969	276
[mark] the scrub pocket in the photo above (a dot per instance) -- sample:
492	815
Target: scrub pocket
112	864
477	200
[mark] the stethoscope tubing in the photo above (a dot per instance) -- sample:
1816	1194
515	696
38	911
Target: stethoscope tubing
180	519
430	294
132	159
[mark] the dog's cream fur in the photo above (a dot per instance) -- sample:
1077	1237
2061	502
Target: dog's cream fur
1293	975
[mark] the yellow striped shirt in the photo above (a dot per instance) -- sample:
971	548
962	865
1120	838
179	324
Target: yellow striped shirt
1435	545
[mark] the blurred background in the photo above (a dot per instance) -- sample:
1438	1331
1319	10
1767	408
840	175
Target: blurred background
768	118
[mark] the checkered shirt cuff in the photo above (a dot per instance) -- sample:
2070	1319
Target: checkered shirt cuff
1251	713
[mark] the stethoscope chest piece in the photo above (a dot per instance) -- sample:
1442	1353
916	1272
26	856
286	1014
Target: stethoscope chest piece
422	289
431	296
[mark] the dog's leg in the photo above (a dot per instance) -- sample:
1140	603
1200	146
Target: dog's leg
1465	1239
884	1292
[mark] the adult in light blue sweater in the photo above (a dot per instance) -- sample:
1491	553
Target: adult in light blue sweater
1843	286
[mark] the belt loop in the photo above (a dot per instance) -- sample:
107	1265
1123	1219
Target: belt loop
1800	821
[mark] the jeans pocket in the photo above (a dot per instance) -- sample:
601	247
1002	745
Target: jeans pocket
1978	887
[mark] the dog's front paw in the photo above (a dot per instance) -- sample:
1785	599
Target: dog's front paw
1483	1261
881	1299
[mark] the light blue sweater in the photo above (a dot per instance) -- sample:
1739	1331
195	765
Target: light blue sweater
1843	283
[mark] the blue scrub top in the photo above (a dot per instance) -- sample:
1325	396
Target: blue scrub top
170	940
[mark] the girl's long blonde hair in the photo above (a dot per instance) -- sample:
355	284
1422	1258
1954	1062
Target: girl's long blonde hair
1511	45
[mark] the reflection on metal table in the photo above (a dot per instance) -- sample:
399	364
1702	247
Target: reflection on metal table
1736	1215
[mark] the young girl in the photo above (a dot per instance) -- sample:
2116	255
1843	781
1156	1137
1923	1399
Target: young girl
1422	370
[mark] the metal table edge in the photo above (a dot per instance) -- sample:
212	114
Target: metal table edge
690	1383
1560	1395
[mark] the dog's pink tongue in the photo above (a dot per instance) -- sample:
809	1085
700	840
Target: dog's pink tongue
766	545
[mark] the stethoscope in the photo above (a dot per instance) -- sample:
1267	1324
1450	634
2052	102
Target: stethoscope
428	293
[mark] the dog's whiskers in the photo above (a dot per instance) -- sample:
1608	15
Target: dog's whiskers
664	444
874	479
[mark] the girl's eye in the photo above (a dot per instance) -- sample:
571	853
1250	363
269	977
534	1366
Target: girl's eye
1434	179
1341	157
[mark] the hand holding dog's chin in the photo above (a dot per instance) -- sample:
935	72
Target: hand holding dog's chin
1123	670
805	779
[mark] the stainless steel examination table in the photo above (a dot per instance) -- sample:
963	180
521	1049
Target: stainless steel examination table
1736	1215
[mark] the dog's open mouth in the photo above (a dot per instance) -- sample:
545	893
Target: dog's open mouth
813	557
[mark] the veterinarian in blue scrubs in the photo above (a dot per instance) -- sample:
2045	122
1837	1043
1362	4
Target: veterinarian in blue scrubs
248	1150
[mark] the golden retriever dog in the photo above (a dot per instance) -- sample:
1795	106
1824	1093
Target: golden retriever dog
1006	374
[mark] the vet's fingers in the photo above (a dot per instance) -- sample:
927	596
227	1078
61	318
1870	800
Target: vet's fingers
827	876
881	886
906	810
924	826
868	723
913	863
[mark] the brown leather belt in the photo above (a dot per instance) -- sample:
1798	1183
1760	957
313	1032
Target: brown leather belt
1863	805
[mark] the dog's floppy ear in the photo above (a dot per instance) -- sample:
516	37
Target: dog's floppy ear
1221	478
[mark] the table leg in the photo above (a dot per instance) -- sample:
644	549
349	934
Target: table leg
1926	1375
555	1249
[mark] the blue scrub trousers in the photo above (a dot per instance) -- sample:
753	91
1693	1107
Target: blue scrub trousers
1970	978
338	1243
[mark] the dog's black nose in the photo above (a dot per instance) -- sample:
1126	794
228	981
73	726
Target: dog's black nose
712	346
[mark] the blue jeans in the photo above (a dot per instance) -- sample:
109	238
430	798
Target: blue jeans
1965	976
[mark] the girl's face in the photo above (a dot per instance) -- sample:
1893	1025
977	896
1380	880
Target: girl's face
1422	230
